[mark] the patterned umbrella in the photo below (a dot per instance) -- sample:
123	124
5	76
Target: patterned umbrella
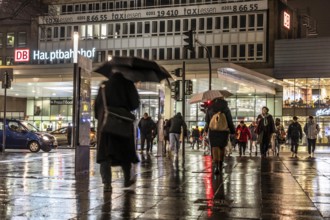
209	95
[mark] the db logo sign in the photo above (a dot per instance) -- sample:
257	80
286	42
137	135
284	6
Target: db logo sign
22	55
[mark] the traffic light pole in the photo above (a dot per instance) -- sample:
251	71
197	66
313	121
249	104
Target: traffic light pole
209	58
4	113
183	105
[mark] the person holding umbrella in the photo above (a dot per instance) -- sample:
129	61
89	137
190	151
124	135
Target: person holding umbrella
218	138
121	92
115	150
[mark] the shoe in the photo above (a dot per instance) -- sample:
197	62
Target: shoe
256	154
128	183
107	188
292	155
295	155
312	155
278	154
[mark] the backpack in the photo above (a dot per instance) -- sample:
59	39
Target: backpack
295	131
219	122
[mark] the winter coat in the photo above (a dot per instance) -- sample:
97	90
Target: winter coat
120	92
311	129
175	124
146	126
243	133
219	138
265	127
195	133
294	132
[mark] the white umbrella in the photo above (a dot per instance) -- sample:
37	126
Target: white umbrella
209	95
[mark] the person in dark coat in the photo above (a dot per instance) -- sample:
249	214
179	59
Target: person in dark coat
295	134
265	130
113	150
69	134
218	139
147	126
175	124
166	131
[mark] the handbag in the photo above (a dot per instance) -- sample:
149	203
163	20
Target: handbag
117	121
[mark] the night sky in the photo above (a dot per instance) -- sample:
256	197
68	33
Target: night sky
319	9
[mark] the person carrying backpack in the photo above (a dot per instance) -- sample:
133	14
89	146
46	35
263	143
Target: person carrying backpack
294	134
311	129
219	124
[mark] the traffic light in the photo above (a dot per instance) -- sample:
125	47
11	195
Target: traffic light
189	87
205	105
189	38
175	90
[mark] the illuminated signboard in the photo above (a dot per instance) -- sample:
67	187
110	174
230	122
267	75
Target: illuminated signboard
22	55
286	20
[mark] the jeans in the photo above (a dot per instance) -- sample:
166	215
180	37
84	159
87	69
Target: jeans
294	147
175	142
195	140
242	148
105	170
311	145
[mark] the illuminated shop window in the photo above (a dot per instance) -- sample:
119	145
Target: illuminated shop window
10	39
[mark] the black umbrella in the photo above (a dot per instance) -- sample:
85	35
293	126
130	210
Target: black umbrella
134	69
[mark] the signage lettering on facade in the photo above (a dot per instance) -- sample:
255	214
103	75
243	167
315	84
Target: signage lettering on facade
22	55
286	20
61	101
154	13
59	54
323	112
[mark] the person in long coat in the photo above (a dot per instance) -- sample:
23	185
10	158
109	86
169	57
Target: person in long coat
218	139
265	130
114	150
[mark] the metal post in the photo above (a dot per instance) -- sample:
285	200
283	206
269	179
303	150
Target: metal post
4	113
183	104
75	107
209	59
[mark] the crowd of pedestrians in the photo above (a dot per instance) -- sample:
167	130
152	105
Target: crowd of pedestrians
263	135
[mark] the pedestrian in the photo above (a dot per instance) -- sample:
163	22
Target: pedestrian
115	150
69	134
218	138
243	135
166	131
279	135
253	141
311	129
195	137
146	126
294	134
176	123
265	130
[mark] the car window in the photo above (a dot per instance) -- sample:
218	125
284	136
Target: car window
13	125
62	130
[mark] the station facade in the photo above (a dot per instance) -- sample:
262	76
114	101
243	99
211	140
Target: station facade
240	36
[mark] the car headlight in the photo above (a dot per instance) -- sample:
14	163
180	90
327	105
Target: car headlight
45	138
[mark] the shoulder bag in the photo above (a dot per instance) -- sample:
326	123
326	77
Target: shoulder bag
118	122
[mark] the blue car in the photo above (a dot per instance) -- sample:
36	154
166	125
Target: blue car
21	135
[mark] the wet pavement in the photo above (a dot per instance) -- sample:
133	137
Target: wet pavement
43	186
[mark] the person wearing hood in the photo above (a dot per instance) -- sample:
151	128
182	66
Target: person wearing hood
311	129
265	130
218	139
175	125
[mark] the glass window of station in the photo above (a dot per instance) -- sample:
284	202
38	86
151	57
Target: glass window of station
308	96
242	107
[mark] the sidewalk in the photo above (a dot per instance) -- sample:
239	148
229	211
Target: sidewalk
43	186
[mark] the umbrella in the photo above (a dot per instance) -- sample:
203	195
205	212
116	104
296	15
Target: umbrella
209	95
134	69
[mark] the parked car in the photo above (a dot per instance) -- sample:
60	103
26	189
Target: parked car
21	135
61	135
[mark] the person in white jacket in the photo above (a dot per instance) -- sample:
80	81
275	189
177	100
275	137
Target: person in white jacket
311	129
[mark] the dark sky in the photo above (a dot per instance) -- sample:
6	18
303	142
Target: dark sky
319	9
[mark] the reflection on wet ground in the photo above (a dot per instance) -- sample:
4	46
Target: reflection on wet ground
43	186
